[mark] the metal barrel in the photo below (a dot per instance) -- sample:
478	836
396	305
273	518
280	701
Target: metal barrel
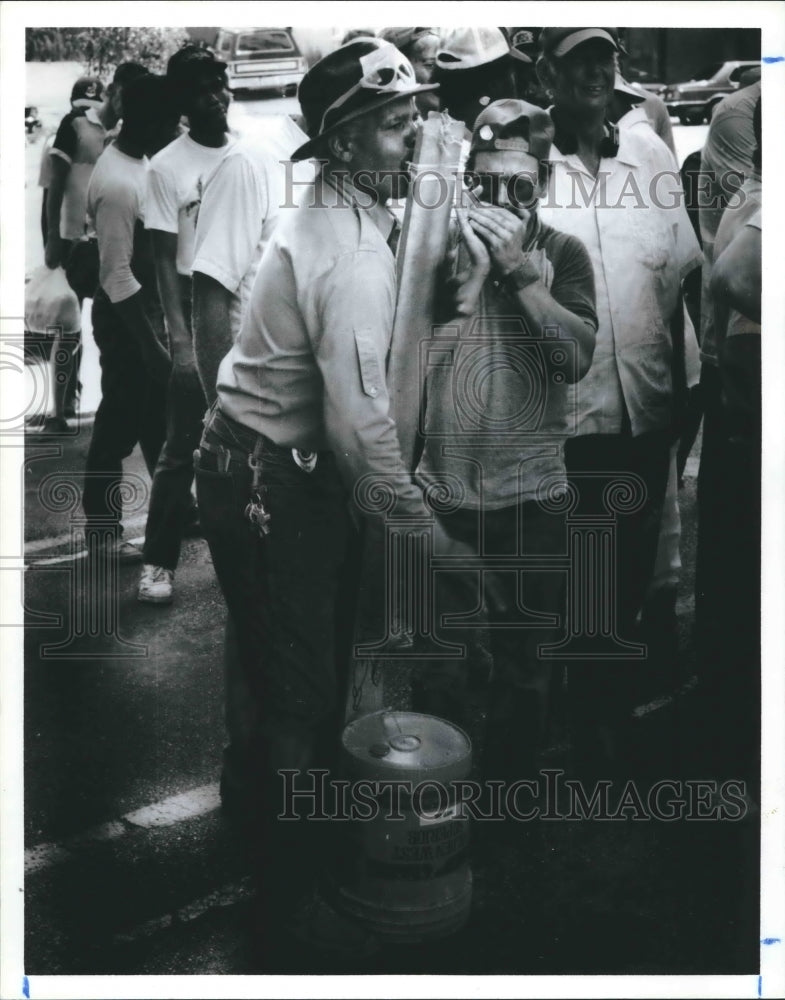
403	860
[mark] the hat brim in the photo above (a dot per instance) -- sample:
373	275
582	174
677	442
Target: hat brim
308	149
584	35
87	102
521	56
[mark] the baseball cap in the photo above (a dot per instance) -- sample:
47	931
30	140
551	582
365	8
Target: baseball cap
466	48
190	66
513	124
560	41
356	78
523	41
87	92
404	38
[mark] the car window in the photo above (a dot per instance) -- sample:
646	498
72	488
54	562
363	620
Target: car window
224	44
252	42
708	71
734	76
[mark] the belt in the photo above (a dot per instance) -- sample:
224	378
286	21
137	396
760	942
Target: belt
250	440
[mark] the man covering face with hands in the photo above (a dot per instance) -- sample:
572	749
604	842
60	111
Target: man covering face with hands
496	418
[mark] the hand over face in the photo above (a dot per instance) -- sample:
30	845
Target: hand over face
502	232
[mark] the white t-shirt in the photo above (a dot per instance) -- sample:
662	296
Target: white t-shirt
241	202
115	202
174	190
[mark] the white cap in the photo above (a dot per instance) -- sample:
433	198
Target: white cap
465	48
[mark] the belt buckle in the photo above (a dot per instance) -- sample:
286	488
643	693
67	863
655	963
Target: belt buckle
306	460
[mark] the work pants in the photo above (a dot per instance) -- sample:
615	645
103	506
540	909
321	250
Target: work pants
131	412
171	501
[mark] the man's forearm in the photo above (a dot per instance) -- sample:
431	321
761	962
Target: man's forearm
165	251
212	329
540	311
54	201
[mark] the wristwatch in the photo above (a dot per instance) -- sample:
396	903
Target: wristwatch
526	273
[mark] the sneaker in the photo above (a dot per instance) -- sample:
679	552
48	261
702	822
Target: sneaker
155	587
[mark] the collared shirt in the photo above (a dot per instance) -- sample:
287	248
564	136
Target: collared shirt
632	220
635	107
308	368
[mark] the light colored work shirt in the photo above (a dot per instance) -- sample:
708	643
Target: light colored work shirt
632	220
308	368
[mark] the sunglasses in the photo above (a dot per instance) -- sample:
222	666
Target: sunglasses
385	71
519	188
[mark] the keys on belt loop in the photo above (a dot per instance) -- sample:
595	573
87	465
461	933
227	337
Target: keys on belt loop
255	511
305	459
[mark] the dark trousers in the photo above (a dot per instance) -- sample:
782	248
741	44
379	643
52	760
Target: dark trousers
286	593
171	502
727	588
131	412
602	691
523	611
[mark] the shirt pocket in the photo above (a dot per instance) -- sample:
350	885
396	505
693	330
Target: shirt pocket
371	374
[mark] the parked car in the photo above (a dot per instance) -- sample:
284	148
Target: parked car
640	78
693	102
32	121
260	58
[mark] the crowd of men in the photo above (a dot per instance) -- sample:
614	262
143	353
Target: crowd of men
244	313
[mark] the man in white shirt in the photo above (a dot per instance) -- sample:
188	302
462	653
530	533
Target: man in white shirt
253	174
174	186
127	320
618	191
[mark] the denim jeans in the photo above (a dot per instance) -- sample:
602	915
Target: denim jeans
131	411
171	501
286	595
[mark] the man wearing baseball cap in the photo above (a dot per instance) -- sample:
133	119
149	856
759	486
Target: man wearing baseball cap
526	314
618	191
173	192
474	67
300	421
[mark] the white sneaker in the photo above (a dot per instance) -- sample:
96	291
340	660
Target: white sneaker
155	586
